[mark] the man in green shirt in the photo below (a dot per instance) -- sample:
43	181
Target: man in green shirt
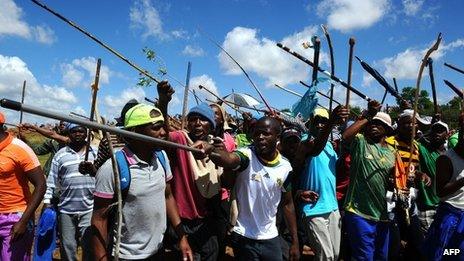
427	200
372	164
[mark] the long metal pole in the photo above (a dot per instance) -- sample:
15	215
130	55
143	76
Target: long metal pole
14	105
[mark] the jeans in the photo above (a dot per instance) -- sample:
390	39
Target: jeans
19	249
75	228
248	249
368	238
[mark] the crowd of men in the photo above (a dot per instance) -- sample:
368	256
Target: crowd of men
262	186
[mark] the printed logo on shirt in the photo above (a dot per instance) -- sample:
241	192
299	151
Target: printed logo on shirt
256	177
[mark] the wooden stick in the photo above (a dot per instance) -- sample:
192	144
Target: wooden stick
107	47
186	90
332	66
321	93
416	97
351	42
22	101
219	98
117	188
92	108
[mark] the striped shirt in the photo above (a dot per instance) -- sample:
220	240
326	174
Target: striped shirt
75	189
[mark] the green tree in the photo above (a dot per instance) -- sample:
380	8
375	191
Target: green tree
425	105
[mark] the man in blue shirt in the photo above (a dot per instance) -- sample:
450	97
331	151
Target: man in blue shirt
318	201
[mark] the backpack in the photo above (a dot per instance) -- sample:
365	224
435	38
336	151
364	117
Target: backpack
125	180
124	171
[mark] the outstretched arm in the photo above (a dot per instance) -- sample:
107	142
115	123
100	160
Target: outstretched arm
165	92
49	133
372	108
338	115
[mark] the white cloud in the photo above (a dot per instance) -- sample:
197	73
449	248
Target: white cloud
349	15
114	104
13	71
264	58
143	15
80	110
10	19
412	7
81	72
44	34
12	23
180	34
405	65
193	51
206	81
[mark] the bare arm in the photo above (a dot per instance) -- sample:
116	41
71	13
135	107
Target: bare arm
227	160
445	186
100	228
173	215
338	115
290	218
354	129
372	108
165	92
37	178
51	134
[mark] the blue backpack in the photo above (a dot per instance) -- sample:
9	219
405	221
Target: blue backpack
124	171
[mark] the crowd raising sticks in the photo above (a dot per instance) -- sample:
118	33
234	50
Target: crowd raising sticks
210	186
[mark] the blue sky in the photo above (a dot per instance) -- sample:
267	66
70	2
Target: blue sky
58	62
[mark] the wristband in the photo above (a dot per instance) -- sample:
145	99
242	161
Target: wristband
180	231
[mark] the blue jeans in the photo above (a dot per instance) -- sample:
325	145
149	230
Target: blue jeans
72	227
251	249
368	238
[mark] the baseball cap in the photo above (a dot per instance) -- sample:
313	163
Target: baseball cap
410	113
131	103
384	118
290	132
142	114
440	123
323	113
71	126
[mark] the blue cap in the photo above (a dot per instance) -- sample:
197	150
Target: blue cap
204	110
71	126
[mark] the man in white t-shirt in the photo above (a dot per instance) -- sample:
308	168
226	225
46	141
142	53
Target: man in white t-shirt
261	176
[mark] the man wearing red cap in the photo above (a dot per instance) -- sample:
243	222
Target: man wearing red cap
18	166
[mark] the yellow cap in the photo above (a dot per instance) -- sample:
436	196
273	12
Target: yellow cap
323	113
142	114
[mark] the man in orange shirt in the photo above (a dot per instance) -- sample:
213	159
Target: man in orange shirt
18	166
